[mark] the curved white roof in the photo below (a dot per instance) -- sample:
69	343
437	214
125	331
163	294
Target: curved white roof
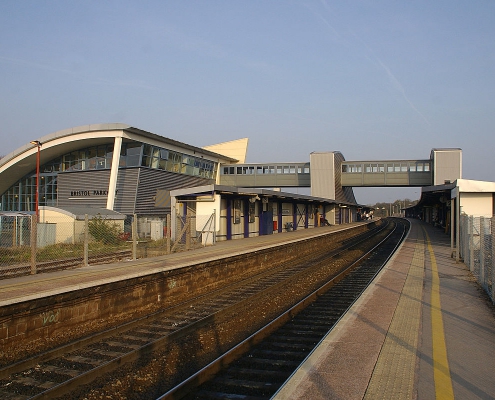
23	160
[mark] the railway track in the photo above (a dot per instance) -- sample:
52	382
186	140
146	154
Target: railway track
179	340
13	271
263	368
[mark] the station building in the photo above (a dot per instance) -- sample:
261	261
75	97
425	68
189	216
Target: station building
127	170
134	172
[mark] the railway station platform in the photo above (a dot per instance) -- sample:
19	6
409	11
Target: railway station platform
423	330
31	287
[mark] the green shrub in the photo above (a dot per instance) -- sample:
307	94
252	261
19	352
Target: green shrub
104	231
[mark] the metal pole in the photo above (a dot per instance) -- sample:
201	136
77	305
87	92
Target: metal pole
457	225
215	226
34	244
482	253
37	143
188	232
134	237
86	240
38	184
493	259
471	244
452	223
169	231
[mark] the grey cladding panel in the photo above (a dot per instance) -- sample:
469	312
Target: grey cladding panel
127	184
89	188
153	182
83	188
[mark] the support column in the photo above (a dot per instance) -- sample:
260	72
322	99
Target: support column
229	218
452	227
114	172
457	224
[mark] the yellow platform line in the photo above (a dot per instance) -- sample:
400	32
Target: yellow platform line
441	370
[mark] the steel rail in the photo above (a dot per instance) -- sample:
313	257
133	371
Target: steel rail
209	371
89	376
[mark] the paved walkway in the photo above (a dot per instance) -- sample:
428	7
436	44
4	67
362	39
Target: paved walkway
423	330
31	287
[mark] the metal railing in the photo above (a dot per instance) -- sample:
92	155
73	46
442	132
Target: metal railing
28	247
477	249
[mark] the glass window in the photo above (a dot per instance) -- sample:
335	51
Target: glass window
100	163
133	153
101	150
162	164
147	150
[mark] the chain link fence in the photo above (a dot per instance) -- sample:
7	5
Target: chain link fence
477	249
27	247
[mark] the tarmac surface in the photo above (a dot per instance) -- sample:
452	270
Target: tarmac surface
423	330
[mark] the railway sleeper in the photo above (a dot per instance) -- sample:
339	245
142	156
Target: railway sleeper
212	395
289	346
258	387
309	322
277	354
264	362
296	332
255	373
278	337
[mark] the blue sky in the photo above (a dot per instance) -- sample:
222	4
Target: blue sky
372	79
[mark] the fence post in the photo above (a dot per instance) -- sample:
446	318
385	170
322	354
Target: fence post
471	244
134	237
34	242
14	233
492	260
214	226
482	253
188	232
86	240
169	232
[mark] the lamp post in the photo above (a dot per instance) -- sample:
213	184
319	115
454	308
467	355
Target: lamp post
37	143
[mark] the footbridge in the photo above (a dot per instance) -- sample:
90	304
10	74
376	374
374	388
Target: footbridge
329	175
